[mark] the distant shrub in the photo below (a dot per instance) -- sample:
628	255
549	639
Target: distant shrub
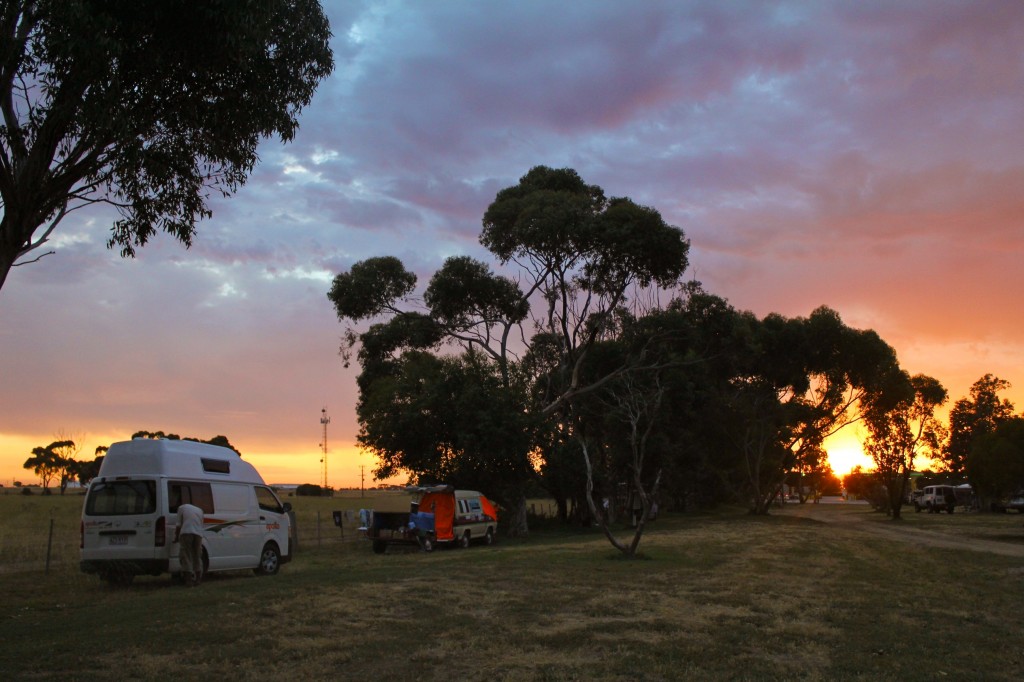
26	491
309	490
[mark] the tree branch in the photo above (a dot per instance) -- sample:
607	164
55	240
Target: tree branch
34	260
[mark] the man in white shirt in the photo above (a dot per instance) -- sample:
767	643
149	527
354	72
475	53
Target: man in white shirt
189	535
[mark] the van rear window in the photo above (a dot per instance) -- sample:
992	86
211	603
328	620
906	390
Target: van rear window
121	498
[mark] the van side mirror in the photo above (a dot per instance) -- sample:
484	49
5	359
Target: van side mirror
287	507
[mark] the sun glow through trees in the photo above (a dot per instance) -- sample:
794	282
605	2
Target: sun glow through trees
845	451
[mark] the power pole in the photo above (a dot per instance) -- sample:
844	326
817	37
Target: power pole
324	420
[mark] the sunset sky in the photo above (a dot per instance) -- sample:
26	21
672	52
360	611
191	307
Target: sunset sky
867	155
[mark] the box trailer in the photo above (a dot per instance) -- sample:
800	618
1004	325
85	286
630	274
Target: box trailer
438	514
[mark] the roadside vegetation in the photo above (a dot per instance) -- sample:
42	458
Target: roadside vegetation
722	595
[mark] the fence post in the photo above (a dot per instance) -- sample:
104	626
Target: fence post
294	528
49	546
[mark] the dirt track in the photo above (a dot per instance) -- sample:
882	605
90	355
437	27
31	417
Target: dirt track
861	519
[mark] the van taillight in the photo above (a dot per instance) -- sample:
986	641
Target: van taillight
161	532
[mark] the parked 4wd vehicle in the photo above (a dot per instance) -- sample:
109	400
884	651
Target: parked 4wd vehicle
936	498
1016	502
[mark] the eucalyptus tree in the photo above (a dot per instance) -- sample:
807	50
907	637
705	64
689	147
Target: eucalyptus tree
149	106
575	254
996	462
618	427
446	419
902	426
973	417
50	462
784	386
841	368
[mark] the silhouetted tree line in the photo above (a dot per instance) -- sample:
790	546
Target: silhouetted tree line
59	460
570	373
584	364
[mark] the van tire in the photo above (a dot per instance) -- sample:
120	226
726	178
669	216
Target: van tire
464	540
489	537
270	560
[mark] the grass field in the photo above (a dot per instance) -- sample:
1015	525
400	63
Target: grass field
716	596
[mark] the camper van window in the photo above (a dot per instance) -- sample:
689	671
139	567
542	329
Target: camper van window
189	492
118	498
474	505
216	466
268	500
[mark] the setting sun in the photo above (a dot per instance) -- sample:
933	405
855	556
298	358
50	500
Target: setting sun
845	452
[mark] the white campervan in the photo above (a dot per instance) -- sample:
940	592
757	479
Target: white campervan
130	511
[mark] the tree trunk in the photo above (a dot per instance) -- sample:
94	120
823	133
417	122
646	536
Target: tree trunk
5	267
563	509
518	525
599	517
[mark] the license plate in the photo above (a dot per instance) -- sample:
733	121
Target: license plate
119	540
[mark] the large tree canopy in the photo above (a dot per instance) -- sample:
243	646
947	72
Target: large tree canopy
576	258
145	105
901	425
996	462
974	417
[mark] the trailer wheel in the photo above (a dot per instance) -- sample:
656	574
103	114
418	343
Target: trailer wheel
428	544
464	540
270	560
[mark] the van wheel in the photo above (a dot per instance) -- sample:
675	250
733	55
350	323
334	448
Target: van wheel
489	537
464	540
270	560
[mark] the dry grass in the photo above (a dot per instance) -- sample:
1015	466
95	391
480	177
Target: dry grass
721	596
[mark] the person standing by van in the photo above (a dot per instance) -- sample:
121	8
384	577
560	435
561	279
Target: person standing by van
189	535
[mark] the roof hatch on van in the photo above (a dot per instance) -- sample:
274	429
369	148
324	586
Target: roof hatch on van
216	466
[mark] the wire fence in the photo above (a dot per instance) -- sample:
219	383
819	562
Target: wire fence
43	533
52	543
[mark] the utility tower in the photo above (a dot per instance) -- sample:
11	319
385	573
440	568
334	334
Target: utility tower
324	421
